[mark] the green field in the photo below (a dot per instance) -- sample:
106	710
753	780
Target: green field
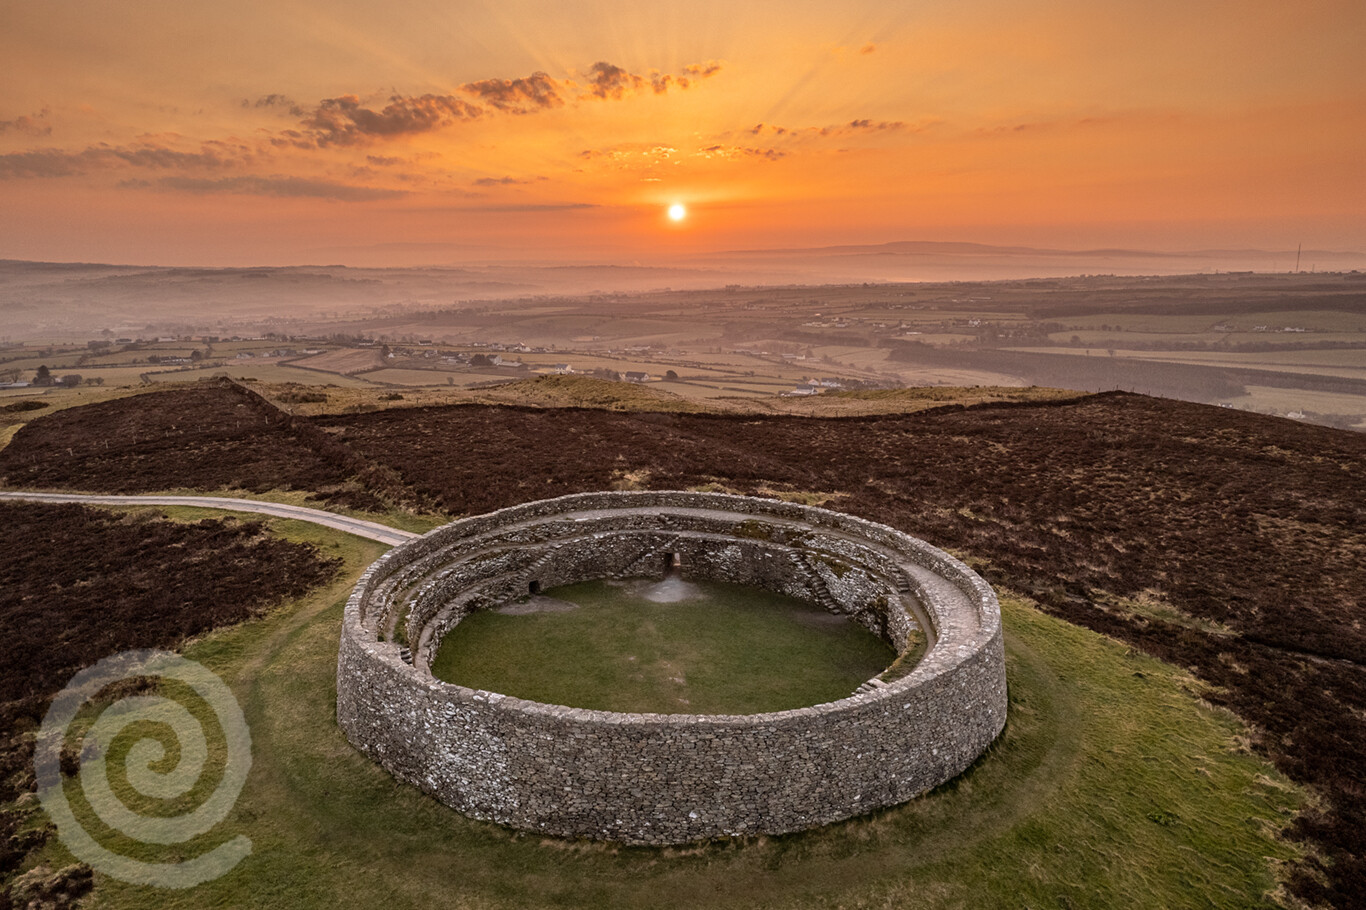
730	650
1112	785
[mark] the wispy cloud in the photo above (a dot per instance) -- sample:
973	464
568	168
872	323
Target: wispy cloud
535	207
43	163
289	187
852	127
513	208
503	181
732	152
30	123
762	128
1046	126
274	100
62	163
702	70
871	126
628	154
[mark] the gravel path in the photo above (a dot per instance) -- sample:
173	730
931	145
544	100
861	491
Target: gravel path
357	526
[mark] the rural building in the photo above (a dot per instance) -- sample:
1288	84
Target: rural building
633	376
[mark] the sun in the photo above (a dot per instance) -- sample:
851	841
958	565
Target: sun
678	211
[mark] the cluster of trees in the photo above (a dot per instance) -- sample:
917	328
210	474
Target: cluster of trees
44	377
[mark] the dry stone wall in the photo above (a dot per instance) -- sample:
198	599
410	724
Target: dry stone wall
667	779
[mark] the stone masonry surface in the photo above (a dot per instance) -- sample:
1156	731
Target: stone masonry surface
671	778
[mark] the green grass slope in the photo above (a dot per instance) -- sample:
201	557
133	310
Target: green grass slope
1112	785
731	650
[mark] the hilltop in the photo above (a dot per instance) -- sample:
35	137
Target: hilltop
1227	543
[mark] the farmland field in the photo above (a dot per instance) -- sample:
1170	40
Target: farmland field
261	372
1222	334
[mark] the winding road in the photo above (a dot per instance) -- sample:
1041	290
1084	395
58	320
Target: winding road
359	527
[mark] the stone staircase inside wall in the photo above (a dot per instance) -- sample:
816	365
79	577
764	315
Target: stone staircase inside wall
530	572
817	584
637	564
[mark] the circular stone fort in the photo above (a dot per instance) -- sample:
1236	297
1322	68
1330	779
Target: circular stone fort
671	778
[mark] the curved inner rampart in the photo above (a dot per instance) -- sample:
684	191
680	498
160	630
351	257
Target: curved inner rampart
644	778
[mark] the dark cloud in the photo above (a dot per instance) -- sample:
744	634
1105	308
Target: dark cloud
518	96
42	163
31	124
607	80
611	82
874	126
702	70
868	48
775	130
342	121
162	158
62	163
274	100
289	187
383	160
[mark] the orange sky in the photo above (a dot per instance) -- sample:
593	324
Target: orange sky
416	131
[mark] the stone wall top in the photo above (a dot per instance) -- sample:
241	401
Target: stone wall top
603	774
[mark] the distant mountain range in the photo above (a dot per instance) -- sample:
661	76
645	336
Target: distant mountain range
57	300
936	247
928	260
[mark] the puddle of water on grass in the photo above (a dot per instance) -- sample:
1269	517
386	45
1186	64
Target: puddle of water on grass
672	590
